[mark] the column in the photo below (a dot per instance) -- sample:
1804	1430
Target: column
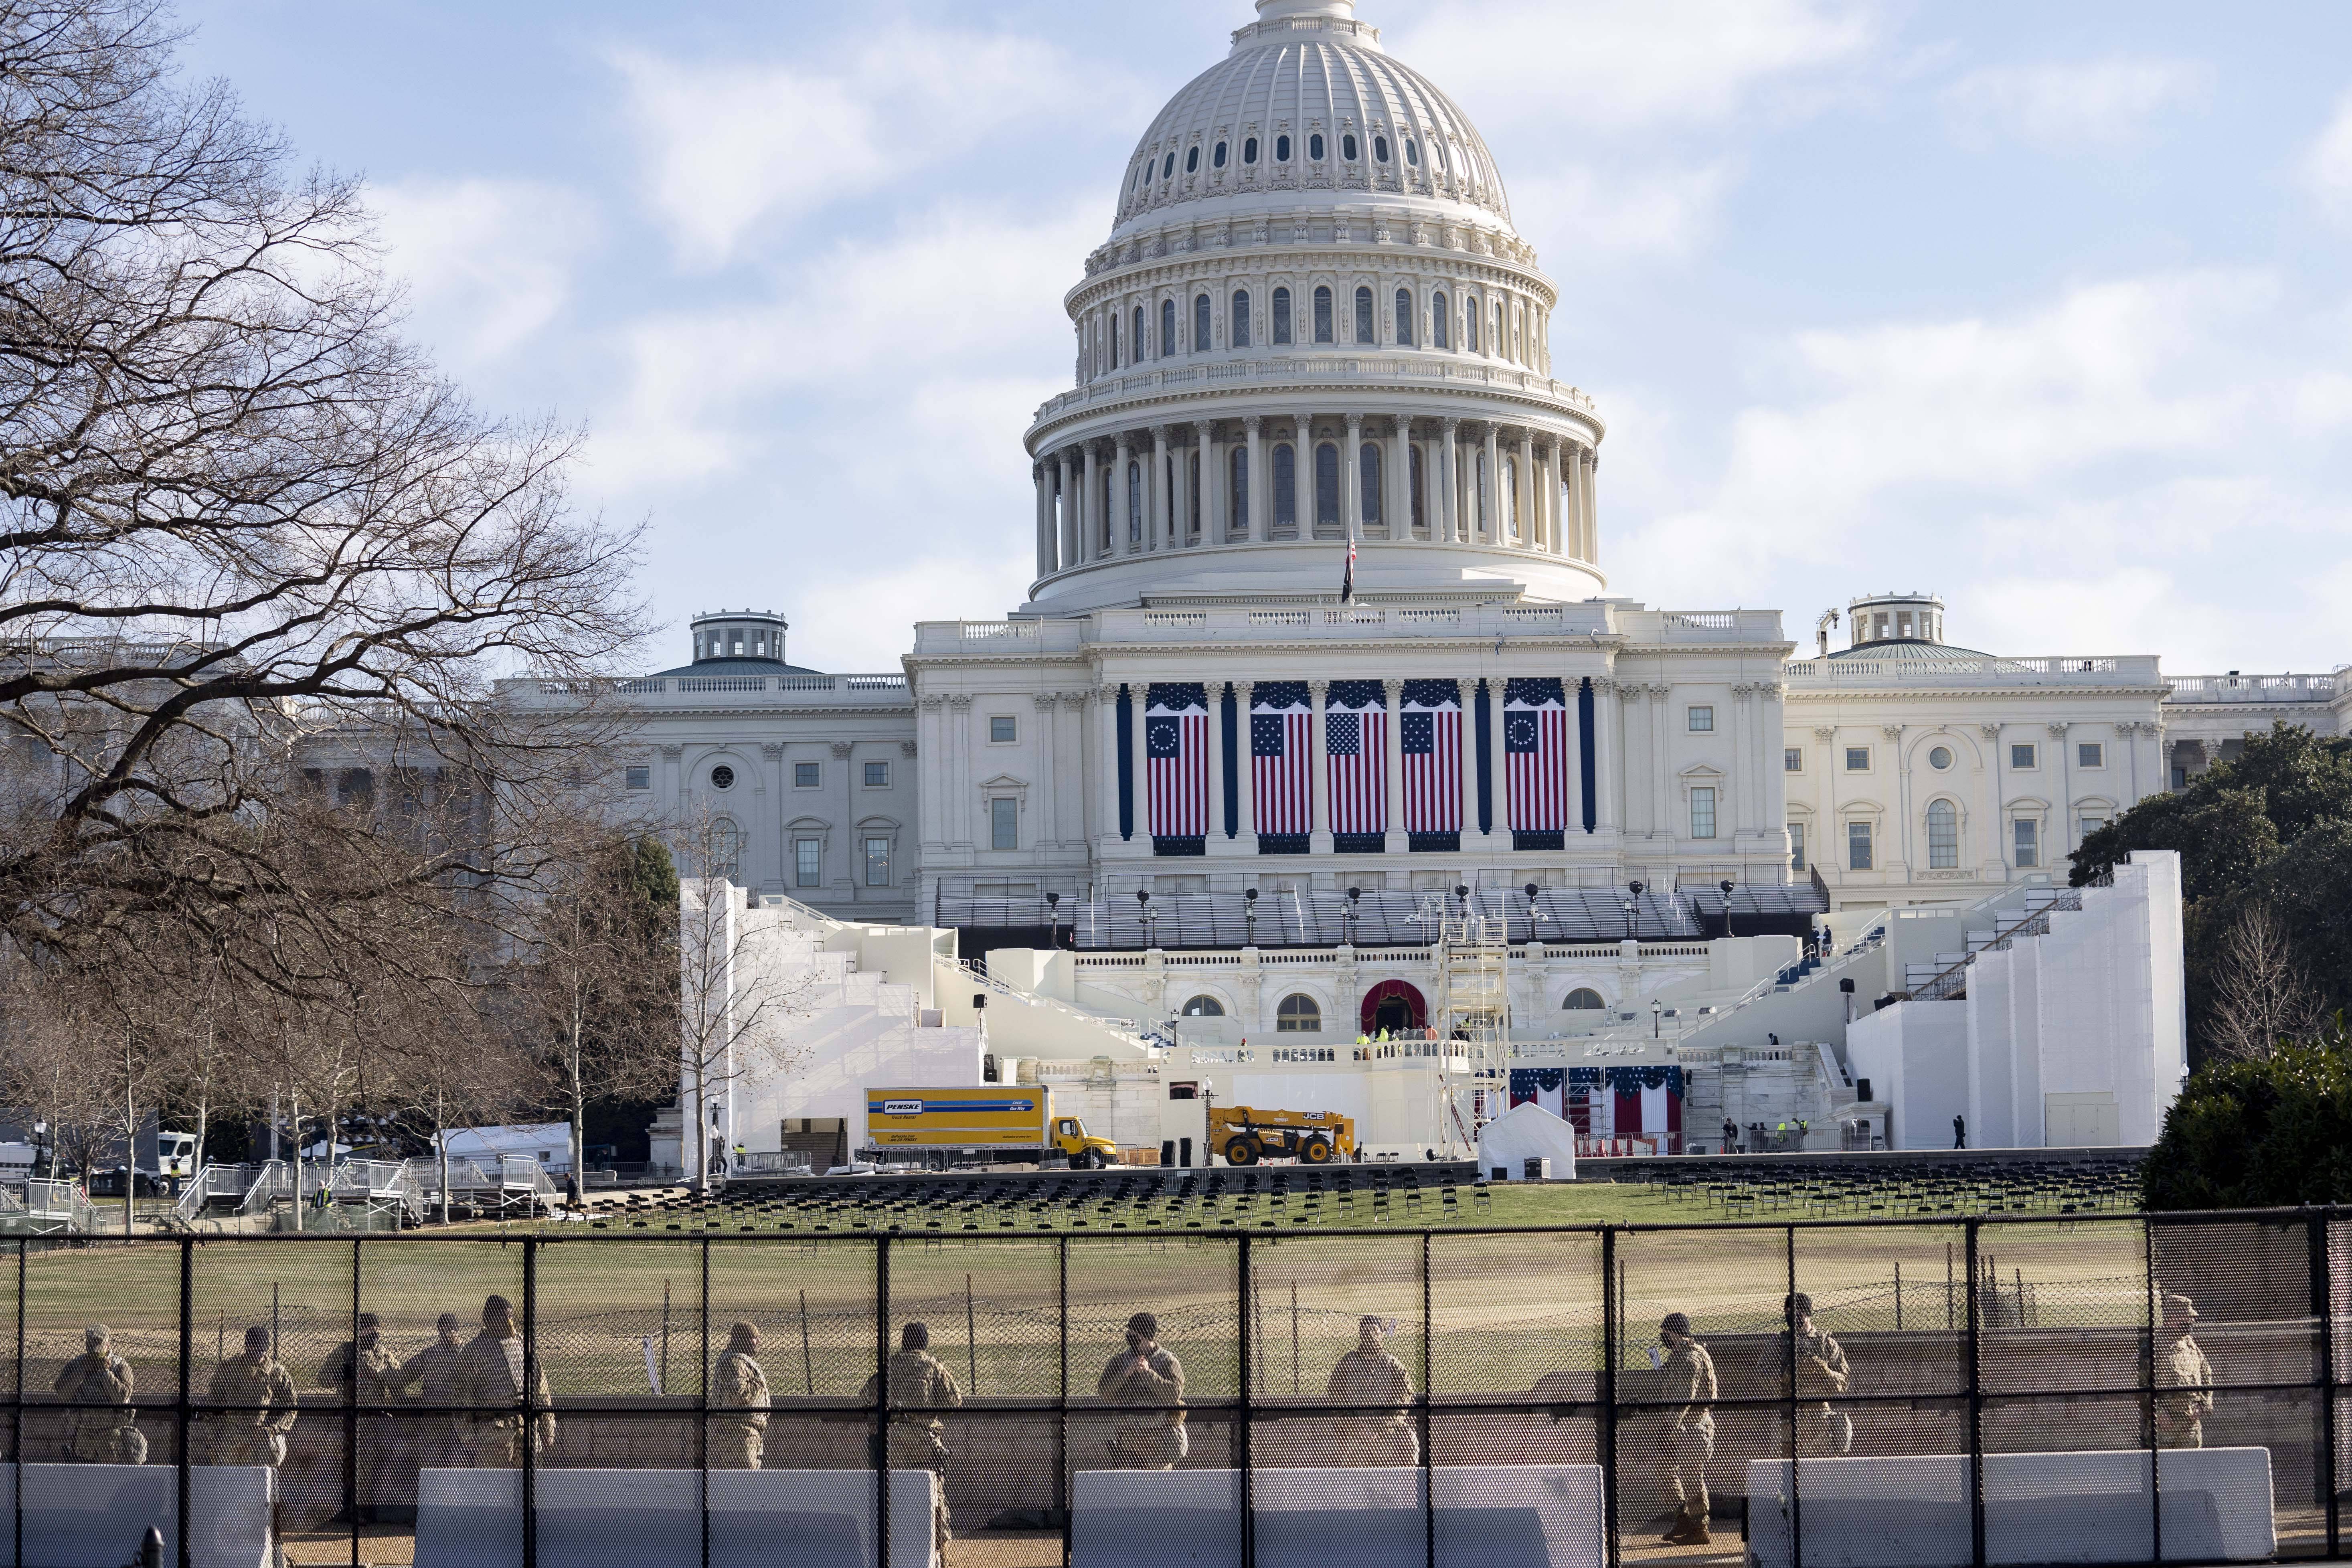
1124	524
1212	483
1046	825
1469	690
1608	720
928	779
1586	493
1311	499
1107	750
1524	491
1445	516
1499	753
1399	509
1040	472
1139	762
1070	528
1352	481
1091	524
1243	770
1554	537
1318	823
1392	765
1159	530
1215	690
1261	490
1496	516
960	773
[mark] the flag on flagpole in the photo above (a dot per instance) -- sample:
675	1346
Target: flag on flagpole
1348	576
1176	750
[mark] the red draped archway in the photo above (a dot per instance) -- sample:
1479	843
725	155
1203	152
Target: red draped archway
1392	992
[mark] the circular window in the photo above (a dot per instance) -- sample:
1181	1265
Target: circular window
1282	149
1249	150
1218	158
1315	147
1584	998
1193	160
1348	148
722	777
1939	758
1204	1007
1412	151
1298	1015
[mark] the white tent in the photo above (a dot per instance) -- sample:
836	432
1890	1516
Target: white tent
1526	1132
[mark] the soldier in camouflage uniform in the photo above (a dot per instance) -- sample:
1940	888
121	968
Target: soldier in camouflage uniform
362	1371
741	1385
489	1375
1821	1430
255	1435
1368	1374
433	1371
104	1431
920	1384
2182	1370
1688	1386
1147	1376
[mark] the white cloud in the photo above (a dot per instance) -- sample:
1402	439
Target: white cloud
2328	163
1622	214
488	262
732	146
2102	104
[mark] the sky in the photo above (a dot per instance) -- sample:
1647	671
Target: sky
2047	310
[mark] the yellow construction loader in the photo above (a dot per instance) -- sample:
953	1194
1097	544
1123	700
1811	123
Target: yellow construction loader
1245	1135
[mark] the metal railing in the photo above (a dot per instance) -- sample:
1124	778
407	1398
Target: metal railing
1964	1349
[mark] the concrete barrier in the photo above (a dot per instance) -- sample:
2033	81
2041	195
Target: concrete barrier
94	1516
1487	1516
1912	1512
652	1518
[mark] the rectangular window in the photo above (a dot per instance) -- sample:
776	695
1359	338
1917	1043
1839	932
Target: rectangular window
1857	759
877	775
2085	827
1857	846
1703	814
1002	730
2180	778
1702	721
808	862
1796	846
2029	844
2090	755
2021	758
1792	758
640	776
805	775
878	862
1004	824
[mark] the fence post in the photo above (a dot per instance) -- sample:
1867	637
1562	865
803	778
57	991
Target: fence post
703	1410
1428	1398
1976	1405
530	1389
1788	1339
2148	1288
179	1410
1062	1396
1609	1329
880	1448
2322	1311
1242	1433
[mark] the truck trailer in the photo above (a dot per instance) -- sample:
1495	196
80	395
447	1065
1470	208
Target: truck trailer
986	1123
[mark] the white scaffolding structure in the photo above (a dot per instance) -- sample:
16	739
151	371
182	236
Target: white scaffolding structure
1470	1012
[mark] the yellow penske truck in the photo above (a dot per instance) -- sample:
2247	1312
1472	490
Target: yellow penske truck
991	1123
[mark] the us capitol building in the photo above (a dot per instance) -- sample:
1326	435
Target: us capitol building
1321	605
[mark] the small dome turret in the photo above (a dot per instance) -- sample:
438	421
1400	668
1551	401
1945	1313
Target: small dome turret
740	634
1895	618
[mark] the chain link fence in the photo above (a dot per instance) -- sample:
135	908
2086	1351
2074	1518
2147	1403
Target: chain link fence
2093	1389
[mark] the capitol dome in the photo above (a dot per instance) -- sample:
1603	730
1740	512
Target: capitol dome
1313	325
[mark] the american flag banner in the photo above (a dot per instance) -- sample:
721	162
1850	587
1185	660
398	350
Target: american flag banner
1356	752
1430	722
1282	784
1536	757
1176	749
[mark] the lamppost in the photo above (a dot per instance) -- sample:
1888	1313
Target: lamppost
1150	917
1534	914
1249	917
1658	1013
1630	903
1726	886
1355	896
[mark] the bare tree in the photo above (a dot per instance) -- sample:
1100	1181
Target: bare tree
2260	995
238	511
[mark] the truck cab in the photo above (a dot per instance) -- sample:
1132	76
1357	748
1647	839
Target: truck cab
1069	1135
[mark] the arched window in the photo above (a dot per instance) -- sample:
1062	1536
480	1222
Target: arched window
1168	165
1583	999
1368	479
1380	148
1167	328
1327	485
1347	147
1147	171
1239	510
1481	510
1322	314
1365	331
1282	315
1134	502
1114	339
1204	1007
1217	159
1135	343
1285	486
1315	147
1199	323
726	849
1414	486
1241	333
1192	160
1282	149
1405	317
1249	150
1942	836
1297	1015
1511	490
1470	324
1437	328
1412	151
1495	330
